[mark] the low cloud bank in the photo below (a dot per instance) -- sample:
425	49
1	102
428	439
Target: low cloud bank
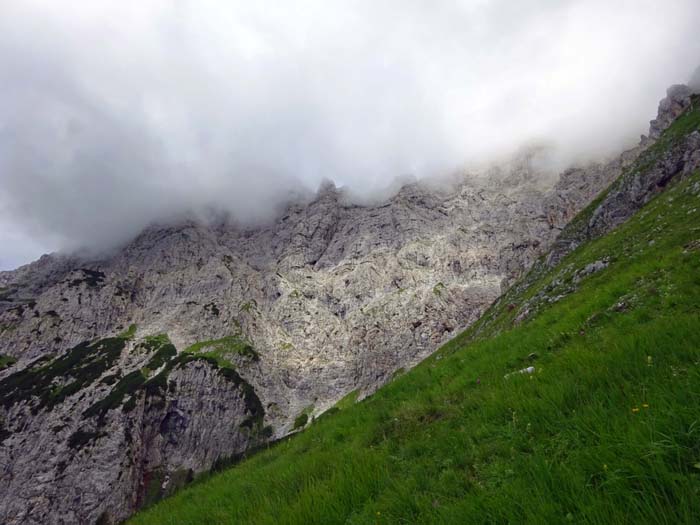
117	114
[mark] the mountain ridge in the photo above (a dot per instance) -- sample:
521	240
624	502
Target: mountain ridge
332	300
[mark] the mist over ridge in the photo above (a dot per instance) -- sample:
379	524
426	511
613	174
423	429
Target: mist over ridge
115	116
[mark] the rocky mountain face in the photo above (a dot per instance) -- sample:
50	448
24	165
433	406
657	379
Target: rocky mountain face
657	162
673	154
126	376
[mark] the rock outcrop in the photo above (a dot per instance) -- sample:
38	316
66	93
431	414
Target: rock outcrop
655	164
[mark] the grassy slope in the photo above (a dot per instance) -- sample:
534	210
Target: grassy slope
606	430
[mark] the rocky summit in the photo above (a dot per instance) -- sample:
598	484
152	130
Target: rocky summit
125	376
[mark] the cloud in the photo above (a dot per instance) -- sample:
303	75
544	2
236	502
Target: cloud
117	114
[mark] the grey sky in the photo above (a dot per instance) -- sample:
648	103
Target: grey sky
117	114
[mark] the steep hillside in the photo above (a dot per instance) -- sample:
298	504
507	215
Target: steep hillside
583	409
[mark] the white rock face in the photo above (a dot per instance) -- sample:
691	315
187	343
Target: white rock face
332	297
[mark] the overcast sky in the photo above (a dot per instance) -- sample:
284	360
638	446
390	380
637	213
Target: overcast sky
116	114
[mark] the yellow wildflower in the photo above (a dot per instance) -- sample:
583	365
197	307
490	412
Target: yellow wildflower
645	405
635	410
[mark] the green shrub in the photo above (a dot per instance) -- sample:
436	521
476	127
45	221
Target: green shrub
300	421
6	361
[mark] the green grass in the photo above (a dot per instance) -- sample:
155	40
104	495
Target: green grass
607	429
162	351
129	333
222	350
300	421
348	401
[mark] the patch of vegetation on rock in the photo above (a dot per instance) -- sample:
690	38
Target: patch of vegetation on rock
7	328
251	305
163	348
48	382
152	483
127	385
300	421
158	385
80	438
222	350
91	278
129	333
6	293
6	361
166	359
130	384
212	309
4	431
254	407
110	379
